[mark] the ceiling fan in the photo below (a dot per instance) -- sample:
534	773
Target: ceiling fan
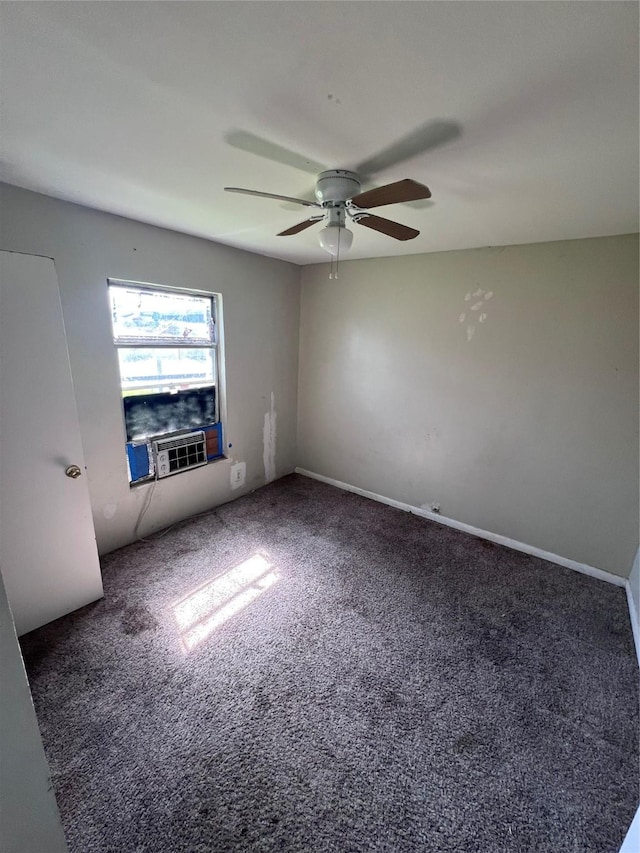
338	198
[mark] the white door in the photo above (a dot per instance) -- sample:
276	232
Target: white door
48	553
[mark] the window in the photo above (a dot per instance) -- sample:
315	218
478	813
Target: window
168	355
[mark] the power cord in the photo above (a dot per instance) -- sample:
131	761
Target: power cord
145	508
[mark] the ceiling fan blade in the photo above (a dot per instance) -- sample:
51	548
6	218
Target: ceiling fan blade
273	195
386	226
406	190
424	138
295	229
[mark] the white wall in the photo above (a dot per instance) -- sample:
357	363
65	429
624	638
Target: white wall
29	819
261	314
634	604
631	842
634	583
519	417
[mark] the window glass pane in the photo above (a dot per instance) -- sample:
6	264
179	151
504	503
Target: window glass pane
155	414
151	315
164	368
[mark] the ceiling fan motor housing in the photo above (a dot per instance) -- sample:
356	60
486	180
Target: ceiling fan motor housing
337	185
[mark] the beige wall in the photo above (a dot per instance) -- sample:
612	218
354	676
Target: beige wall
522	422
261	314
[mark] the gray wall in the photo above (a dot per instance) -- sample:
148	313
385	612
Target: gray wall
524	424
261	314
501	383
29	819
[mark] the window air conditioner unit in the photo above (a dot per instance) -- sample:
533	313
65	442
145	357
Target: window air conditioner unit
179	452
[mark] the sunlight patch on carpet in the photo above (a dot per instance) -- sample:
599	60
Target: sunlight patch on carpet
206	608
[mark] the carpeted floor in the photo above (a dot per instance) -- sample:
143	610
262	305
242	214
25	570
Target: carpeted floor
346	677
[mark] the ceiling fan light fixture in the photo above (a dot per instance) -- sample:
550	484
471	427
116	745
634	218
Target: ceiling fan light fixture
335	238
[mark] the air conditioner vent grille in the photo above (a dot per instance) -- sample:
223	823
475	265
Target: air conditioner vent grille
179	453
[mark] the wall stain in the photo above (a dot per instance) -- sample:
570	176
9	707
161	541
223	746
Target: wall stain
269	442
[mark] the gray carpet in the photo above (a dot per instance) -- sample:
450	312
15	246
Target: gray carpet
370	681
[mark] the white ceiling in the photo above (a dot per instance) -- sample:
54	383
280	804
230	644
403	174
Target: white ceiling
143	109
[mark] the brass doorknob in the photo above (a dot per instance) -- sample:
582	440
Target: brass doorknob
73	471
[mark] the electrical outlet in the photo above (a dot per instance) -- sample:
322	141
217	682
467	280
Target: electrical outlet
238	474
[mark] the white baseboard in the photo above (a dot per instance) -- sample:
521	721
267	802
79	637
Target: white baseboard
600	574
634	620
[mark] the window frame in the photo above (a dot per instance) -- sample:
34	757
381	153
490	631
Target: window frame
213	348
